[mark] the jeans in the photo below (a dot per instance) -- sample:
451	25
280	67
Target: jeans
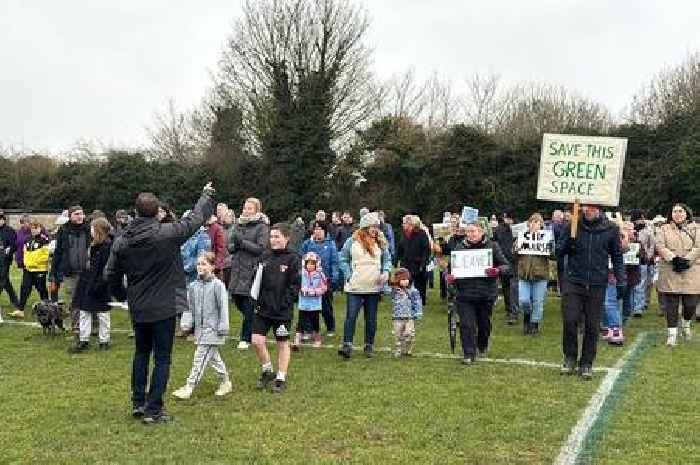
612	316
246	306
531	296
156	337
355	302
586	301
639	294
327	311
474	320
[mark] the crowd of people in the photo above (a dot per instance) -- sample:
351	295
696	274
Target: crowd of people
177	277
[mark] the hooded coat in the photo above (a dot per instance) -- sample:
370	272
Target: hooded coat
674	240
92	291
248	242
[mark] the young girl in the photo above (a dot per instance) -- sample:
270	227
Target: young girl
92	291
36	264
313	285
208	307
408	307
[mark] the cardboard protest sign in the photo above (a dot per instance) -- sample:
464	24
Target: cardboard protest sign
518	228
581	167
631	257
537	243
442	230
469	215
471	263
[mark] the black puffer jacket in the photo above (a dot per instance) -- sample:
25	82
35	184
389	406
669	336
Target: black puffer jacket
70	256
92	292
148	253
248	242
281	281
597	244
414	251
8	238
480	288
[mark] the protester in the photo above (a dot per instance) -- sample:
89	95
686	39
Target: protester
558	225
503	235
35	258
24	233
218	245
678	244
297	234
533	273
92	293
314	285
365	263
476	296
71	257
613	315
228	223
165	214
407	309
248	242
388	232
121	221
148	253
196	245
8	243
322	244
413	253
645	236
207	300
597	242
344	230
279	290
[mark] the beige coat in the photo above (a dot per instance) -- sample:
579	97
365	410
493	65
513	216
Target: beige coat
672	241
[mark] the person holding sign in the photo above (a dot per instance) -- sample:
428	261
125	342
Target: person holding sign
597	242
533	274
678	243
475	264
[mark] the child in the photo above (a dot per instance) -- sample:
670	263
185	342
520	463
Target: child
279	290
92	291
313	285
36	265
408	308
208	307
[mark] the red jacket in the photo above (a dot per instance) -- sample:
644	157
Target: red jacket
218	244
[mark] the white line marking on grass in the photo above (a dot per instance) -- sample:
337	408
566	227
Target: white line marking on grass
571	449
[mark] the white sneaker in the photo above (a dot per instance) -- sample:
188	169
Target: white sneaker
224	388
243	345
687	331
672	334
184	393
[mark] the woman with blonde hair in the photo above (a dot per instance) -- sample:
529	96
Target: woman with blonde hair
533	274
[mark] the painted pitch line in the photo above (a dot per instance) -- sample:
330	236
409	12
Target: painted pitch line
571	449
436	355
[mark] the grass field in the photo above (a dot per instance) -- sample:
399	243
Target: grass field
63	409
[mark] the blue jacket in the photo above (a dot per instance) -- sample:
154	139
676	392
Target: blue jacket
313	286
328	253
197	244
388	232
407	304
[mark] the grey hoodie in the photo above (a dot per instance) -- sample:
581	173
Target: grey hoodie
208	303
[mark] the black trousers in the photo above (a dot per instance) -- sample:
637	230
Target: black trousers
474	325
421	282
36	280
586	302
308	320
327	311
6	284
670	306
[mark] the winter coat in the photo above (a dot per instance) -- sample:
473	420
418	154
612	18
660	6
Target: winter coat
36	254
70	256
362	270
208	304
414	251
342	233
313	286
218	244
388	232
597	244
248	243
328	254
406	303
197	244
148	253
533	267
92	291
470	289
647	245
503	235
673	241
280	284
8	238
23	235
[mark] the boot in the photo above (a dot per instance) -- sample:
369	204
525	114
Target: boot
672	335
316	337
526	324
687	331
296	342
345	351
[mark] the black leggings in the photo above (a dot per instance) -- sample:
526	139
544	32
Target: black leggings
32	279
308	320
670	305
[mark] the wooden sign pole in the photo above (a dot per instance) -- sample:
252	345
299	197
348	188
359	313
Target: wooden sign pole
574	218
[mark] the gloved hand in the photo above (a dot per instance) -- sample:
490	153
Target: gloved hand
492	272
620	291
680	264
209	190
450	278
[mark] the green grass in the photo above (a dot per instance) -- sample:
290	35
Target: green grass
64	409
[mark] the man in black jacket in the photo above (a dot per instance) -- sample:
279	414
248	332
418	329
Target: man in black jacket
503	235
597	243
148	253
8	244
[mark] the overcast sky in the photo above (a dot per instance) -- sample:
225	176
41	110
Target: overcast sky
100	69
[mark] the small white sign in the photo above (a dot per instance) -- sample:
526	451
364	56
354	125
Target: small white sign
538	243
471	263
631	257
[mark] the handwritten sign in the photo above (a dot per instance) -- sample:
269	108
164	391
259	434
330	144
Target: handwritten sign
581	167
535	243
469	215
471	263
631	257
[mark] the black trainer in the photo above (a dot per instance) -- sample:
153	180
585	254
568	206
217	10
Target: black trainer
279	386
266	377
80	347
468	360
568	366
345	351
138	412
586	372
157	418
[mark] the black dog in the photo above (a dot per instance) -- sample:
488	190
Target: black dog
50	316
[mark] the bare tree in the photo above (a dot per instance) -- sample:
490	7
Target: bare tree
177	135
482	106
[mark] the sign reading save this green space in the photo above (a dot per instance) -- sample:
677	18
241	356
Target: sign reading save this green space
586	168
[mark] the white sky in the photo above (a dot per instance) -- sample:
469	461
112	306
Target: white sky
99	70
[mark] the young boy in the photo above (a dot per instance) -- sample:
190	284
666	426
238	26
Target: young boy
36	264
278	291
